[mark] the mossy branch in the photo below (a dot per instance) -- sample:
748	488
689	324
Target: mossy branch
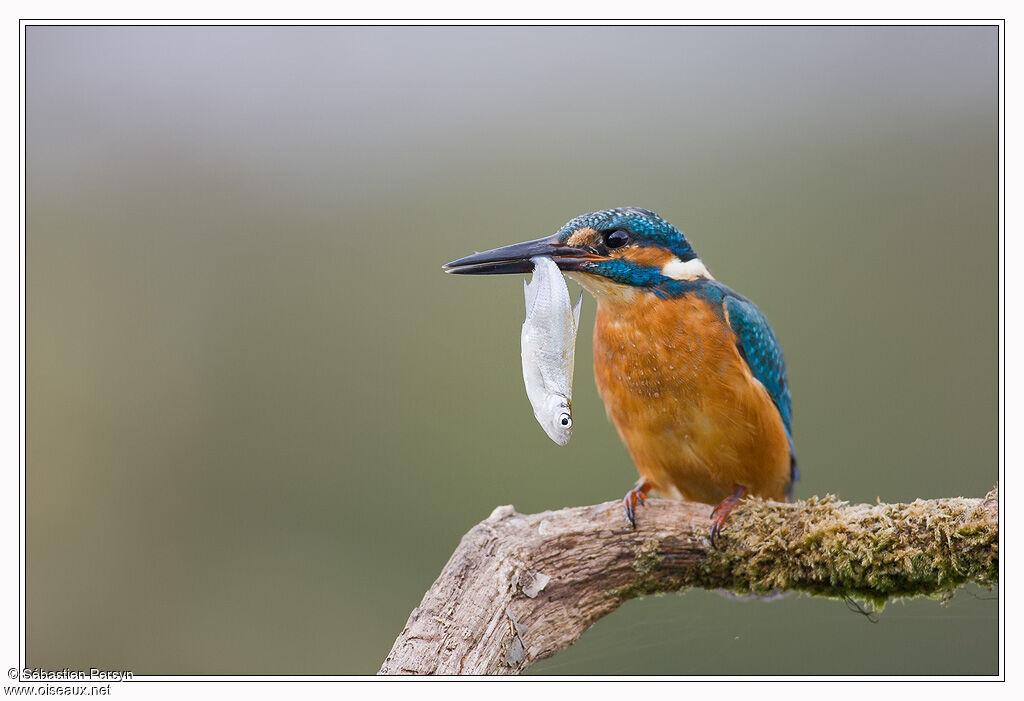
520	588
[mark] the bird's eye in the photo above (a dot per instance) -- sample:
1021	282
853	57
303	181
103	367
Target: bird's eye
616	239
564	420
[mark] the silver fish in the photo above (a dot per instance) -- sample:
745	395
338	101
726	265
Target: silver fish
549	348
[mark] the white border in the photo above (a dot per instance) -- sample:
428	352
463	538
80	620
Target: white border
325	685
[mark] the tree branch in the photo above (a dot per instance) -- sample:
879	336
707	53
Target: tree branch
520	588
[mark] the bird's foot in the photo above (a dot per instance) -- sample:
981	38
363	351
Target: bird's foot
634	497
722	511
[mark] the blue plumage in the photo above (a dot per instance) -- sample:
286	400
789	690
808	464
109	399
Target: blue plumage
761	351
649	229
628	273
760	348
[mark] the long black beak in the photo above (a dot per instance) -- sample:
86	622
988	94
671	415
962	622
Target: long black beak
516	258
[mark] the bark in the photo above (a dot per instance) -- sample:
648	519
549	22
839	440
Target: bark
520	588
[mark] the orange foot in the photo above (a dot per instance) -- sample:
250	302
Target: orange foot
722	511
636	495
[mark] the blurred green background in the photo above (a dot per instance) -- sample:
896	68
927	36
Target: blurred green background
260	417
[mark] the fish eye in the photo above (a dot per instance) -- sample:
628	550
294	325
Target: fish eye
616	239
564	420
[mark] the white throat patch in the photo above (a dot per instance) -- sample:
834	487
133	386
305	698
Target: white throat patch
603	288
690	270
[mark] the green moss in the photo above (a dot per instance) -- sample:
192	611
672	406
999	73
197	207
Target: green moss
825	547
646	561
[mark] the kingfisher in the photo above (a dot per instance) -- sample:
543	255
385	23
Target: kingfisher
690	372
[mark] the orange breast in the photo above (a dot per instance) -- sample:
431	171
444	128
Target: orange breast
694	419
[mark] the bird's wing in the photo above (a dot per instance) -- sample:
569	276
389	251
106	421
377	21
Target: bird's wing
761	351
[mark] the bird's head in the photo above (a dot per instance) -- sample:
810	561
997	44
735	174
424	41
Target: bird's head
613	253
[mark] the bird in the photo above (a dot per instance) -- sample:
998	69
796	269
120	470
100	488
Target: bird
690	372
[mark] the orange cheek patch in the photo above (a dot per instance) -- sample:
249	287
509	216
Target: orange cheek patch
646	255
